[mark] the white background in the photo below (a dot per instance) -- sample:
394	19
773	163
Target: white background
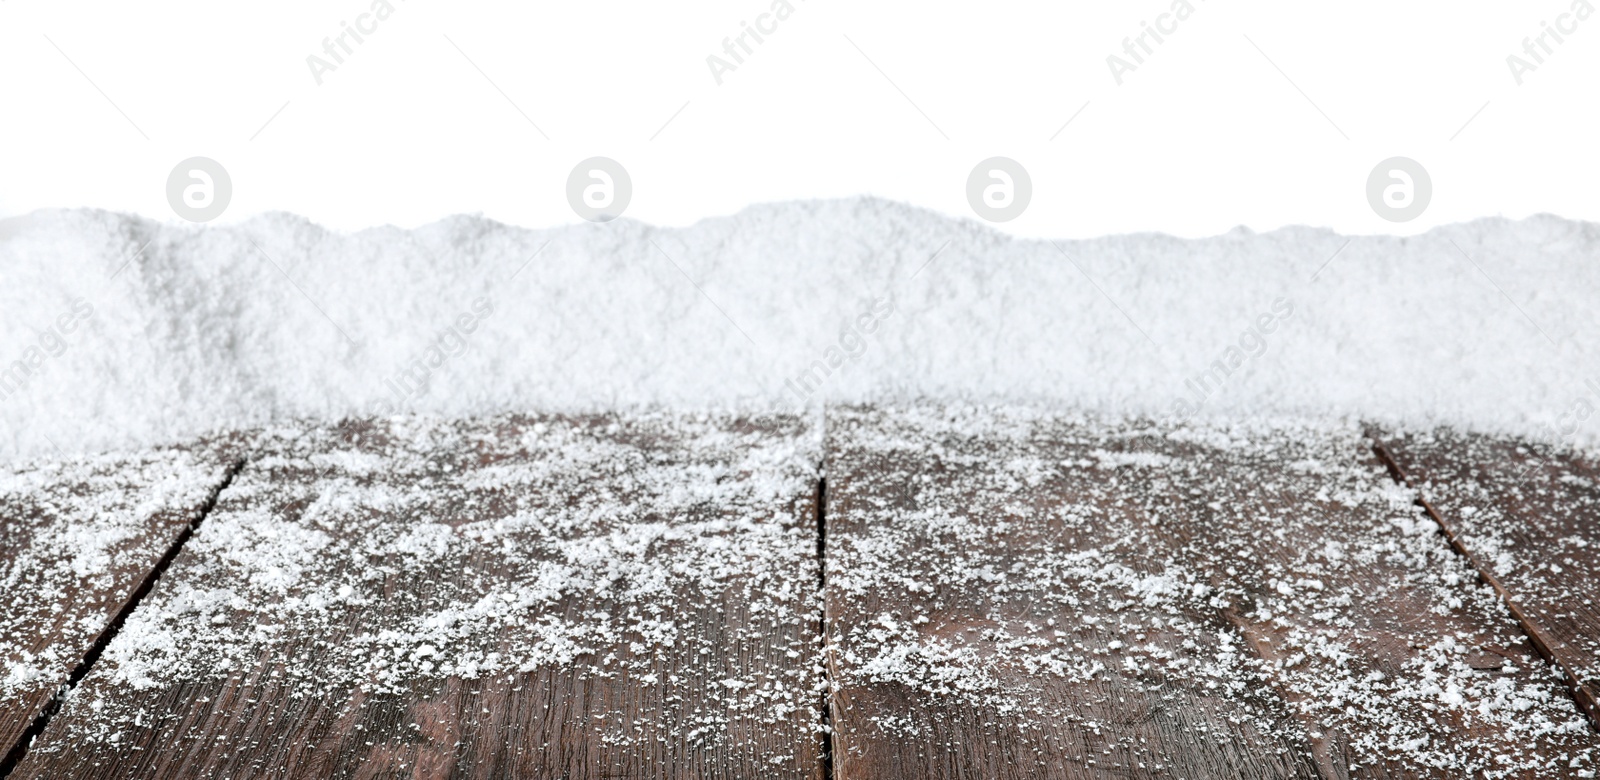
1208	134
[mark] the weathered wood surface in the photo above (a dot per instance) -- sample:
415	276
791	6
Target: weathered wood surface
595	597
1011	595
1529	517
1396	658
78	538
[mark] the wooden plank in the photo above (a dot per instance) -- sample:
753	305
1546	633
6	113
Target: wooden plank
986	596
1023	595
1399	662
1528	515
594	597
79	537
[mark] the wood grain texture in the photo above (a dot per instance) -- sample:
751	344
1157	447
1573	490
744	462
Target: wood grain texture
1528	515
596	597
1013	594
995	613
78	537
1395	657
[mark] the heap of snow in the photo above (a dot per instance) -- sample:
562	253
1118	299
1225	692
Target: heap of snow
119	330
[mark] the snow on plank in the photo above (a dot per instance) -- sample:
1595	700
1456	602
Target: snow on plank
612	596
78	538
1016	594
1529	516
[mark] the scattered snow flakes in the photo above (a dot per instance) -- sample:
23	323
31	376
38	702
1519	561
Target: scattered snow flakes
1103	593
1526	511
1197	586
77	537
415	567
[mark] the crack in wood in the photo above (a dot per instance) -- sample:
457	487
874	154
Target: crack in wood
822	627
42	720
1582	695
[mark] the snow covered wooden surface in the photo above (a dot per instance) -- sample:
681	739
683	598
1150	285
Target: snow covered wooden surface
1004	592
522	597
78	539
995	613
1012	596
1529	515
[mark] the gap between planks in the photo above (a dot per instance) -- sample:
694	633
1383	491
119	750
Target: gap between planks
86	664
1534	633
826	711
1542	643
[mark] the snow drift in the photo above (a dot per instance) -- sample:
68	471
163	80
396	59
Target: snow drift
120	330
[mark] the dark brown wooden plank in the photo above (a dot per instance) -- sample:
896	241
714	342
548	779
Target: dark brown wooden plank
597	597
1399	662
1528	515
78	537
985	595
1013	594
